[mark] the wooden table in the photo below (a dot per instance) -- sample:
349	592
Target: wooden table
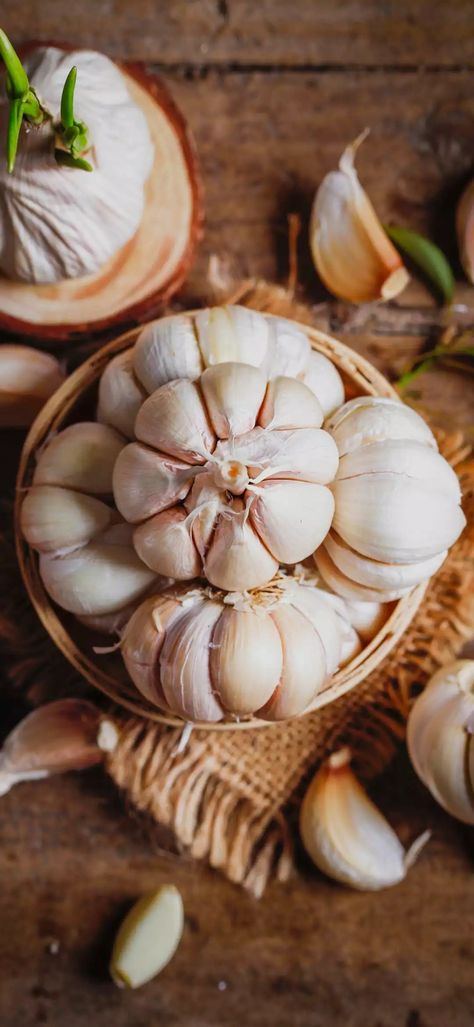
273	91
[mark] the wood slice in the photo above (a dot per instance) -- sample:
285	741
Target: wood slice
136	283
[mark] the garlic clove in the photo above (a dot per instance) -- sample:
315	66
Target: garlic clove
204	503
233	394
28	378
366	618
56	520
148	937
292	517
353	254
236	559
312	603
414	459
142	641
110	623
374	573
165	544
345	834
146	482
288	350
465	230
174	419
368	419
324	380
120	395
232	333
81	457
304	665
309	454
246	659
165	350
289	404
345	586
184	663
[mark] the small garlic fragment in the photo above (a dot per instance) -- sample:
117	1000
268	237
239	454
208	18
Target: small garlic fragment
465	230
80	457
28	377
345	834
120	395
148	937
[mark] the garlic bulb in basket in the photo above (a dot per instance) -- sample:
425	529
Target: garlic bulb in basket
397	502
204	655
228	477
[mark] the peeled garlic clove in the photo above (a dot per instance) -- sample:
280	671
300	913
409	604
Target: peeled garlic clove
148	937
246	659
165	544
165	350
55	520
184	663
439	738
146	482
368	419
232	333
347	587
304	665
352	253
142	641
120	395
174	420
412	458
28	378
289	404
465	230
236	559
288	350
345	834
233	394
324	380
292	517
376	574
81	457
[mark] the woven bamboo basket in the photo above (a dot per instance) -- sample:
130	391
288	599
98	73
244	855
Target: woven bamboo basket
74	401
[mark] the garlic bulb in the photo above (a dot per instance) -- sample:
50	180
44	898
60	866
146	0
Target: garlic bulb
57	222
345	834
465	230
352	253
228	477
397	502
204	655
28	378
440	738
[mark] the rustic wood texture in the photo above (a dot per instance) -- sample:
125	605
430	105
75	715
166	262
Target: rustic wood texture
273	92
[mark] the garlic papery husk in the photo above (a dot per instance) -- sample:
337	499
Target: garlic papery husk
323	378
148	937
56	520
58	223
465	230
440	738
80	457
28	378
353	254
120	395
63	735
345	834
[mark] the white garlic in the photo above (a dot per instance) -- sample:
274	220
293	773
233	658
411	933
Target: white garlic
345	834
440	738
289	404
120	395
234	334
465	230
166	350
353	254
28	378
148	937
233	394
80	457
145	483
323	378
57	520
292	517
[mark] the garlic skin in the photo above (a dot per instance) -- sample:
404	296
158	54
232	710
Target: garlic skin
352	253
56	222
440	738
345	834
465	230
148	937
28	378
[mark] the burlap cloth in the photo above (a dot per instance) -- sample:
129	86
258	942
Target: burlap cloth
231	797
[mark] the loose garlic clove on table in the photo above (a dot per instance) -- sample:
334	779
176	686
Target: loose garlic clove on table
148	937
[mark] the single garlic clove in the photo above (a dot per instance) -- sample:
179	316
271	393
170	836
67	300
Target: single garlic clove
399	456
174	420
81	457
246	659
292	517
312	603
366	618
309	454
110	623
120	395
236	559
288	350
184	663
304	665
345	834
28	378
165	544
142	641
289	404
146	482
367	419
465	230
204	503
55	520
232	333
376	574
165	350
353	254
233	394
148	937
347	587
324	380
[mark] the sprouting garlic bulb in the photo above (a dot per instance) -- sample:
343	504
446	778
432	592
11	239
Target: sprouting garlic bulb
465	230
397	502
440	738
57	222
228	476
203	656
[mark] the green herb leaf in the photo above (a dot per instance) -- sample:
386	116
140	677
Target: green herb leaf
17	79
427	257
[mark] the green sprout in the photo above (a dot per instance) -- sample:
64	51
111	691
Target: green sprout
73	135
24	103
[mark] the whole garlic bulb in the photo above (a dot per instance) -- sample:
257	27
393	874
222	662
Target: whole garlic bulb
204	655
228	477
440	738
57	222
397	502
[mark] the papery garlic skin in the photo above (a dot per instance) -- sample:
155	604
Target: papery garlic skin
56	222
352	253
440	738
28	378
465	230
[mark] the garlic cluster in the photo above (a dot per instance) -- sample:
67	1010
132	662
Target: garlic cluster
57	222
397	502
440	738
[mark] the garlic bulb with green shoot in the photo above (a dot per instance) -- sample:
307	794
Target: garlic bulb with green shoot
397	502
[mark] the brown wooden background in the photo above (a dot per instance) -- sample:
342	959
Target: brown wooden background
273	91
